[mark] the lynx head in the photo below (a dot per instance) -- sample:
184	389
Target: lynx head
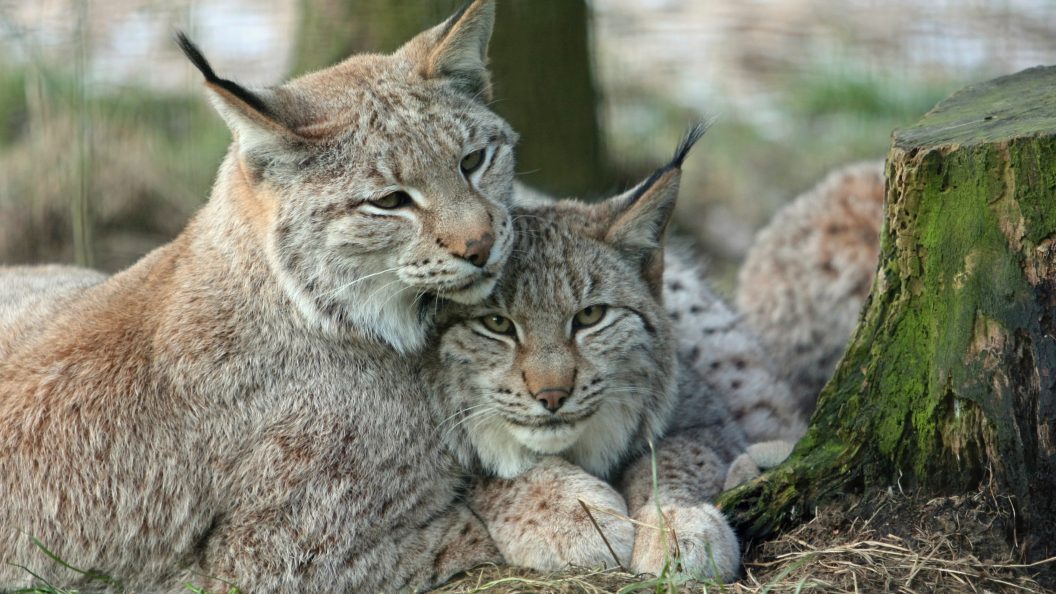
377	180
572	354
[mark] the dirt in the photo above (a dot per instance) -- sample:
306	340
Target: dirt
887	541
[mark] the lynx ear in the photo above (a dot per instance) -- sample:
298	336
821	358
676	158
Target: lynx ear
457	49
639	217
253	116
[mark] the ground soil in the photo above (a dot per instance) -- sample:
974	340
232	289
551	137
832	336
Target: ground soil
887	541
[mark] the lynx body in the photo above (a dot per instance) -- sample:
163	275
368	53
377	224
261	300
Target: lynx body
245	402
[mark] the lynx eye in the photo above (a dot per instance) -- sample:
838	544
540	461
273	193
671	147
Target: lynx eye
392	201
498	324
472	161
588	316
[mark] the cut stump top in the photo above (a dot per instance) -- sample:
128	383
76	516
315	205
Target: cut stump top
1014	106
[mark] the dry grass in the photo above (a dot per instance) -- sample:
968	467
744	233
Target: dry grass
887	542
887	561
495	579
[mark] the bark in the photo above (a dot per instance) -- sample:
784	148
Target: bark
544	86
542	73
331	30
949	378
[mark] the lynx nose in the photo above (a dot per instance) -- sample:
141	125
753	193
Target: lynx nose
477	251
552	398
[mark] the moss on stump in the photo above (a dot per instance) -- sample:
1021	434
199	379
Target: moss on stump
950	377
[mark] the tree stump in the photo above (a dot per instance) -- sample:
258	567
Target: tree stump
950	376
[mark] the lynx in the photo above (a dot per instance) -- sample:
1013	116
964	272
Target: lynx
563	376
245	402
725	353
808	274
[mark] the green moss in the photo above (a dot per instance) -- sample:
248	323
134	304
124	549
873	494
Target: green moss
1032	160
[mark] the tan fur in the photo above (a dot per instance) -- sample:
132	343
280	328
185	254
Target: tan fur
245	403
808	273
539	521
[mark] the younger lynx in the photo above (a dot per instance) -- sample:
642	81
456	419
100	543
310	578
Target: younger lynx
244	402
573	356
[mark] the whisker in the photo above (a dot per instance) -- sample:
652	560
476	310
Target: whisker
370	297
362	278
481	420
467	418
524	215
458	412
636	392
397	294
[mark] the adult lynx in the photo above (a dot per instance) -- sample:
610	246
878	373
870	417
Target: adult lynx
241	403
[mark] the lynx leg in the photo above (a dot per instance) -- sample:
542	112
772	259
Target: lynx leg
692	538
692	534
460	541
687	470
275	550
758	457
537	519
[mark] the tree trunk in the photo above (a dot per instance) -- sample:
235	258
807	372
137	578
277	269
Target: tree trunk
542	72
544	86
331	30
951	373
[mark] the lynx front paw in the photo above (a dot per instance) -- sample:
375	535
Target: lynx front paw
696	540
537	520
756	458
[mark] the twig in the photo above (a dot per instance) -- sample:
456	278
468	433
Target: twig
602	534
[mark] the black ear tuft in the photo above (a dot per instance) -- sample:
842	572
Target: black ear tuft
691	138
195	56
688	141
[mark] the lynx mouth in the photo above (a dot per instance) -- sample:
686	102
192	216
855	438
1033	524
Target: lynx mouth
472	291
548	438
550	421
547	423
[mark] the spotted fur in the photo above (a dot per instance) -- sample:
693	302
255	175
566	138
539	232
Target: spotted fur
245	403
808	273
726	355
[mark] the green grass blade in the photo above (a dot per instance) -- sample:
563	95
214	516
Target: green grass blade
91	574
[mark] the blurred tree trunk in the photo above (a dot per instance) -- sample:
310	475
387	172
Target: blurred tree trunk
541	60
950	377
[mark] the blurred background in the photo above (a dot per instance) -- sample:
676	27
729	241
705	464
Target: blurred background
107	144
